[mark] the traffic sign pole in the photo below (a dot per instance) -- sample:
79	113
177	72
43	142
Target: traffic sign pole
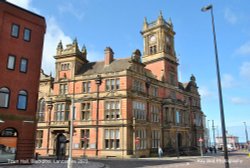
201	140
137	142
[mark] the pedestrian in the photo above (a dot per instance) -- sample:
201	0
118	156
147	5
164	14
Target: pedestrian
214	149
248	149
211	149
160	151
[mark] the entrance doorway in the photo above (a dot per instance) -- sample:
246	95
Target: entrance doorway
8	144
179	140
61	146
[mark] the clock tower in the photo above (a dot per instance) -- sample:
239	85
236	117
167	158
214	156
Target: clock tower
158	53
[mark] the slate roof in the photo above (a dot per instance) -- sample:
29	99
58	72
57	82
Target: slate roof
116	65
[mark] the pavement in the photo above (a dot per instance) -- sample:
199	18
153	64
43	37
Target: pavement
182	161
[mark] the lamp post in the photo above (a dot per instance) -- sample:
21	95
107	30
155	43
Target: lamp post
208	134
71	134
245	124
213	128
98	82
223	125
50	107
177	144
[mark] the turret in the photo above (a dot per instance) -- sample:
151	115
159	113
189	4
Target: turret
59	48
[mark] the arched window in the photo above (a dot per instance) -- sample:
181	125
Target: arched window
4	97
22	100
9	132
41	109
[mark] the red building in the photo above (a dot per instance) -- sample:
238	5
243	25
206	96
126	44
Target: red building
122	107
21	45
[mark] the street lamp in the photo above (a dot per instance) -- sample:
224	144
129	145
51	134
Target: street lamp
177	144
69	165
98	82
208	134
246	132
204	9
213	128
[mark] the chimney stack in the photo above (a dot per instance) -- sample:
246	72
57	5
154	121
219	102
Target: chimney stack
109	55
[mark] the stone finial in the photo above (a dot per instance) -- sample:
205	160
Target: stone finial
59	48
136	56
84	49
145	24
75	45
160	19
192	78
170	22
75	42
161	14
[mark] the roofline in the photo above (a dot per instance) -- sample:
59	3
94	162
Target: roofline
18	7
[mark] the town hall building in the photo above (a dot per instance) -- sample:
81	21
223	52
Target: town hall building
122	107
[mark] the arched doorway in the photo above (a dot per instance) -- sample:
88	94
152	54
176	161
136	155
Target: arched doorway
60	146
8	144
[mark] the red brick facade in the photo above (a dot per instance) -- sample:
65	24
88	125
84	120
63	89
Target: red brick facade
140	96
20	76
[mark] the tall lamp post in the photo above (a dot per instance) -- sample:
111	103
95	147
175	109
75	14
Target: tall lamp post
204	9
98	82
213	128
69	165
208	134
245	124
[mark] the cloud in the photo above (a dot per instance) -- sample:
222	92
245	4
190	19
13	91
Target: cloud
52	37
227	81
26	4
244	49
205	92
240	101
23	3
245	70
230	16
70	9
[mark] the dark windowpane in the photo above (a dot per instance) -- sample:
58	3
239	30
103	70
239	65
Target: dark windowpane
22	100
117	143
27	34
106	143
11	62
4	97
23	65
15	30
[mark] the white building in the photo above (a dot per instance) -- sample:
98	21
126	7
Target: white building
232	142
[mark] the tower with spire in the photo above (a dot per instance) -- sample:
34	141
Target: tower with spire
159	53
